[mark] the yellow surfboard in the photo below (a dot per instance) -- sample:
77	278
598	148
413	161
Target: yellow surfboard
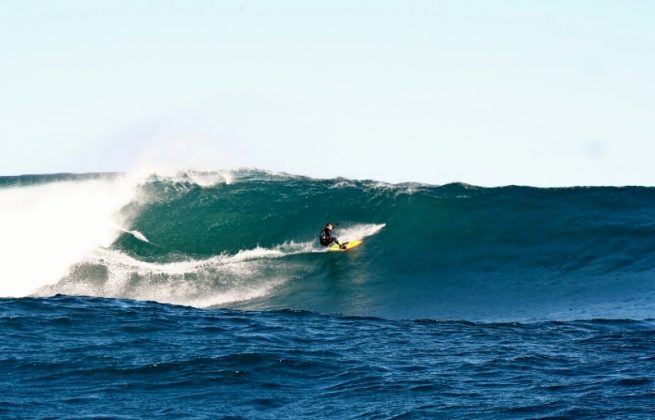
349	245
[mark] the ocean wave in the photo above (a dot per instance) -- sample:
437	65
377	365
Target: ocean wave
248	239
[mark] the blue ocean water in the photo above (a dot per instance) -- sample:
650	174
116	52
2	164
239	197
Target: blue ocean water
115	358
207	295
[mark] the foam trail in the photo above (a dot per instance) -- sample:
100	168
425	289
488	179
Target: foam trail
48	227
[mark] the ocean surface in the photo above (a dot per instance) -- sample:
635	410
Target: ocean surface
207	295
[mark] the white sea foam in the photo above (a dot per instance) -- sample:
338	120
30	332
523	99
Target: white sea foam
197	282
219	280
45	228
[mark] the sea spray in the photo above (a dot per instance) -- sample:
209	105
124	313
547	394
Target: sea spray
48	227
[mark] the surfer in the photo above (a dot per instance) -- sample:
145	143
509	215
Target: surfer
326	237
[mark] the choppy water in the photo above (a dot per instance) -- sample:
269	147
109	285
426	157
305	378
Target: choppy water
490	302
113	358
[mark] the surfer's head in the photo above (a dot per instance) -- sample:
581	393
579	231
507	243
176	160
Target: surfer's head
328	226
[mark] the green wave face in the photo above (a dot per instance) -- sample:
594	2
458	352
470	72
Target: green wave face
250	240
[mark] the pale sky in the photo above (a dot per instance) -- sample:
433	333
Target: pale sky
485	92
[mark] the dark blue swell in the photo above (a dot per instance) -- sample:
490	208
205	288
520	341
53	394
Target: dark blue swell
67	356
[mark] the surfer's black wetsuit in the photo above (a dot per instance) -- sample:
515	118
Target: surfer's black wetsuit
327	238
